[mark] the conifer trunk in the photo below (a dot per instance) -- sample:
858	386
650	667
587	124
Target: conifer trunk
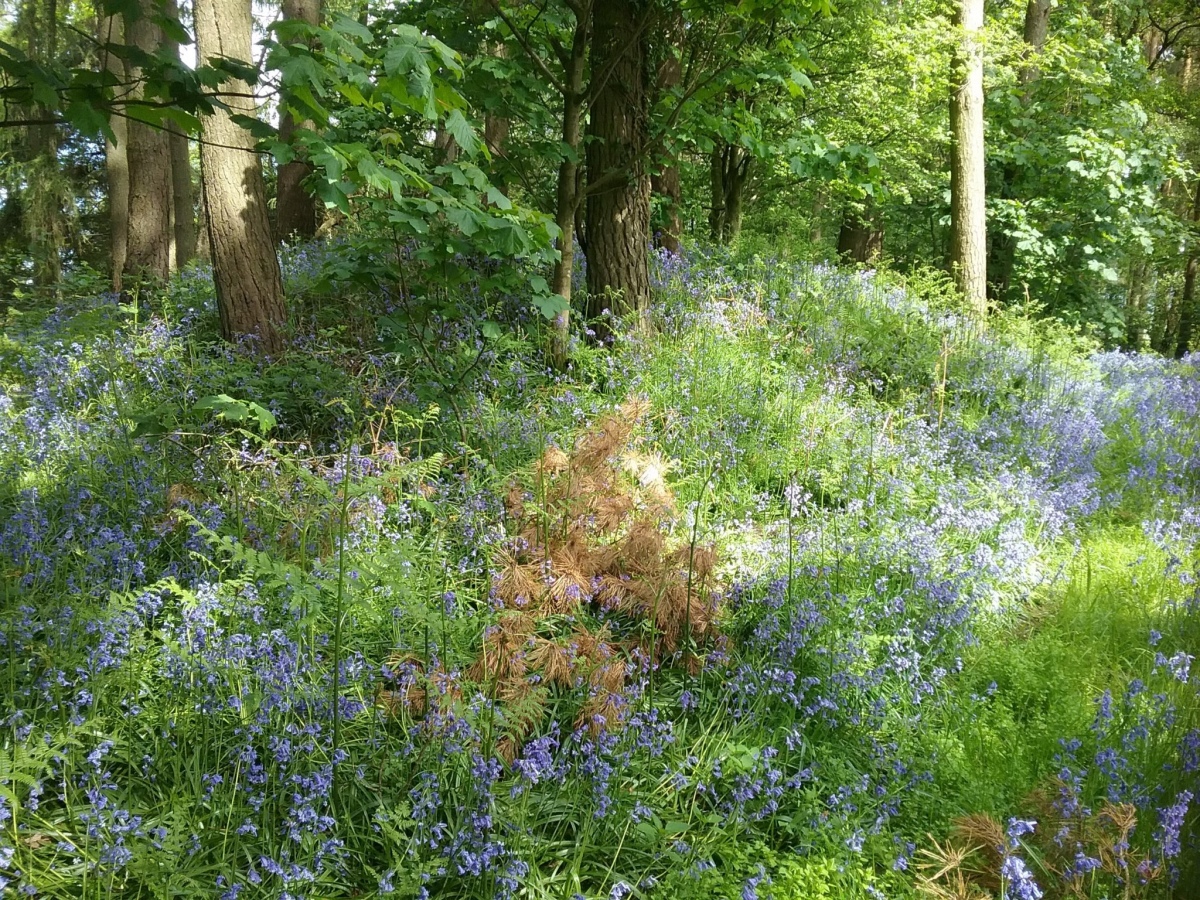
245	268
968	214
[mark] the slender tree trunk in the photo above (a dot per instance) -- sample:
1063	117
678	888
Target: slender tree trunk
1161	323
1136	323
735	193
116	162
1187	302
1152	45
1037	29
566	204
968	213
46	195
495	134
445	148
666	182
618	202
295	207
203	250
496	126
668	185
183	204
245	267
151	235
716	189
816	233
729	170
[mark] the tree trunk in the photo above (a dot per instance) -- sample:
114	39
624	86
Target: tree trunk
496	126
295	207
183	205
203	250
860	239
716	187
1187	302
151	236
495	134
1153	41
1137	326
1137	322
968	213
116	161
735	192
816	232
245	268
1037	28
46	196
566	204
666	182
667	185
729	170
618	202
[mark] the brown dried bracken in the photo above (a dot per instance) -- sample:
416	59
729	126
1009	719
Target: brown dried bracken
942	872
590	532
969	864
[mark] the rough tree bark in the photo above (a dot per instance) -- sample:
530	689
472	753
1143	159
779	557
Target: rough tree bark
618	200
295	207
151	236
245	267
116	162
968	214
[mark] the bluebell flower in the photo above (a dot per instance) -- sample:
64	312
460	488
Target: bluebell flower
1019	881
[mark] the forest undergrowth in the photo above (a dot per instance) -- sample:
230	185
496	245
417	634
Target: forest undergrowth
809	589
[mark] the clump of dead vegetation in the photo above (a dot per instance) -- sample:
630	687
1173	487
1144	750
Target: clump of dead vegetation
591	589
1072	853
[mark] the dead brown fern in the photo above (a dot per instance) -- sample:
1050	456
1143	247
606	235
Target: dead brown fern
968	864
590	533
